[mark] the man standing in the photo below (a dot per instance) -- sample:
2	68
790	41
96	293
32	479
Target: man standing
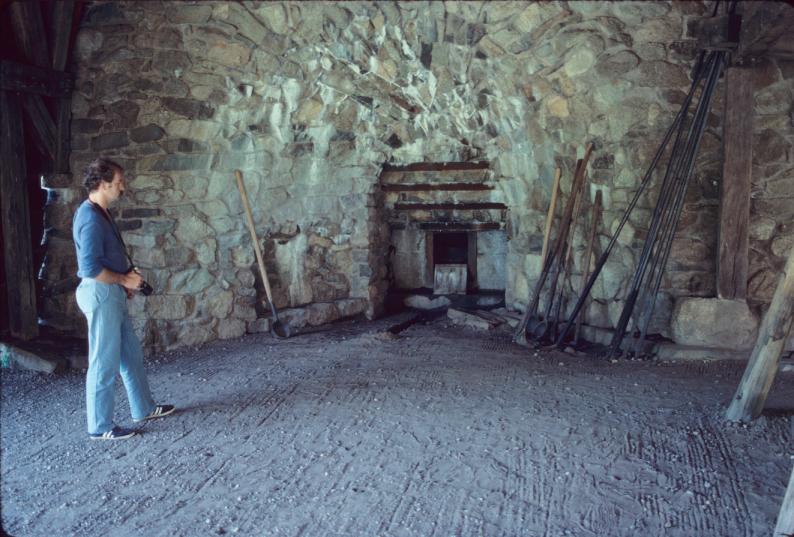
108	280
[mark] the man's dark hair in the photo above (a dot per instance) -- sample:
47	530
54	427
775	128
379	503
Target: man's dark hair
99	170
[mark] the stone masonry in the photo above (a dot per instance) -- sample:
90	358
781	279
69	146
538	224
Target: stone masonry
309	99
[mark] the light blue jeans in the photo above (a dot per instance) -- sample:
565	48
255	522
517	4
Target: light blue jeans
113	348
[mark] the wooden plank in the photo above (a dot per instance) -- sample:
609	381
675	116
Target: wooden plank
448	206
62	16
29	32
430	260
594	217
732	259
461	226
42	122
17	249
748	402
30	79
471	261
437	166
429	187
555	191
555	258
63	135
785	520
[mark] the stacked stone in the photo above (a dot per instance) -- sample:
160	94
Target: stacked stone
308	99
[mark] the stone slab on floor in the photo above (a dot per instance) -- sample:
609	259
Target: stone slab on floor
673	351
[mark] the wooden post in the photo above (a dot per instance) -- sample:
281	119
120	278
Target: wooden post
29	30
586	265
732	259
17	250
555	191
42	122
749	400
62	137
785	520
62	16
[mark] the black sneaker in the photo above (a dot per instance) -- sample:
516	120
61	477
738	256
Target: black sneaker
116	433
159	411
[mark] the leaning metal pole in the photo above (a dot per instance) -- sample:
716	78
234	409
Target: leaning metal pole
651	292
674	186
643	185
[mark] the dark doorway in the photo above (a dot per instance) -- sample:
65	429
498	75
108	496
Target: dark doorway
452	247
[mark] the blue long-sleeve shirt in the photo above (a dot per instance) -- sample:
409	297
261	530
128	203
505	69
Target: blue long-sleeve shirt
97	244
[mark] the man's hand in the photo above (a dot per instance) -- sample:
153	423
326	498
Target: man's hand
129	292
132	281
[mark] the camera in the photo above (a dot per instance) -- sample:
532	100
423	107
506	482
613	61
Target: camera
145	288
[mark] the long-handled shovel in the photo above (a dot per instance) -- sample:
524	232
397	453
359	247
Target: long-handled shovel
277	328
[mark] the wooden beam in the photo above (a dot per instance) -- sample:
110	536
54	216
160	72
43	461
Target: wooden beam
429	187
471	262
30	79
430	260
62	15
437	166
63	135
29	31
785	521
17	250
42	122
754	387
460	226
733	256
481	206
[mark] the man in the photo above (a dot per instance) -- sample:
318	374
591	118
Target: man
108	280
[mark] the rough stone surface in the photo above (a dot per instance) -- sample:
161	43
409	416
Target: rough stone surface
470	320
345	421
423	302
714	322
310	99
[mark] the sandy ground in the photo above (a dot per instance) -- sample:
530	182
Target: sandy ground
443	431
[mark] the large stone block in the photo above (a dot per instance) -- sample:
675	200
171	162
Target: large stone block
168	306
188	14
321	313
190	108
714	322
191	281
229	54
111	140
238	16
230	328
193	335
148	133
176	162
220	304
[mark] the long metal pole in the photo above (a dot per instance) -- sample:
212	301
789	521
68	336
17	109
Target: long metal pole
643	185
662	212
652	292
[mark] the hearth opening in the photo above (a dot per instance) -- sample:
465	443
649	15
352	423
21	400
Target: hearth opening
450	248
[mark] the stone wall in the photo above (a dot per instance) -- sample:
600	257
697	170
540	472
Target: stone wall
309	99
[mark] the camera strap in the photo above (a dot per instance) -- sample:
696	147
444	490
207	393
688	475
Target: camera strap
107	216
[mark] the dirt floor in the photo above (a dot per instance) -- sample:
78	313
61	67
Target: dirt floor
442	431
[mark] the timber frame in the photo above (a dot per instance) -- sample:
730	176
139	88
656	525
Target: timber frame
35	104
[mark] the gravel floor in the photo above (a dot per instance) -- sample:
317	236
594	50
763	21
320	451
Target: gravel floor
441	431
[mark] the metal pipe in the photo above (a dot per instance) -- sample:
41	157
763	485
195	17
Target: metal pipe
662	212
643	184
667	246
